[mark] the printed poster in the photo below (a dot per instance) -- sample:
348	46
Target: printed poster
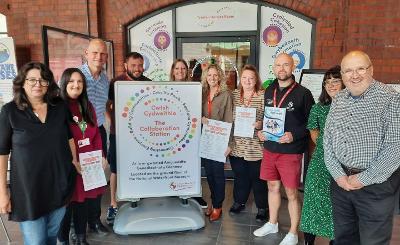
158	132
283	32
8	69
214	140
153	39
274	123
92	170
244	122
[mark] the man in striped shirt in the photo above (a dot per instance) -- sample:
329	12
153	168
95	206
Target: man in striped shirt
362	153
97	90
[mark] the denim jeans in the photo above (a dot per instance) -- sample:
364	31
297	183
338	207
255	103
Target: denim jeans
42	231
216	181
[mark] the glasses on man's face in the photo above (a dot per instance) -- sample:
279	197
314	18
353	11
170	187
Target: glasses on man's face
359	71
34	81
332	82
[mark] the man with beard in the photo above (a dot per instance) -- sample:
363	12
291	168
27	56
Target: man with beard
282	158
133	72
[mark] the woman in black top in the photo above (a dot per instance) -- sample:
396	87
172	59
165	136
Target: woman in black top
34	129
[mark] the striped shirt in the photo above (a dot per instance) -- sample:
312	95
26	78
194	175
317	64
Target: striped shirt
250	149
97	91
364	133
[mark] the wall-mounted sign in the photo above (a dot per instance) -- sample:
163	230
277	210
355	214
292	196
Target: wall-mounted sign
216	16
312	79
8	69
281	32
153	38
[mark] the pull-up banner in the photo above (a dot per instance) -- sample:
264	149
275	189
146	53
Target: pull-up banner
8	69
158	134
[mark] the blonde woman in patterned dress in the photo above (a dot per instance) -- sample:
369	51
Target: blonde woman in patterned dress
316	217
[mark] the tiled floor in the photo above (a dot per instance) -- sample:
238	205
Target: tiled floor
232	229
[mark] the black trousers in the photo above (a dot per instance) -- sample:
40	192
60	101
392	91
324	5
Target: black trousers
216	181
79	212
365	216
94	205
247	177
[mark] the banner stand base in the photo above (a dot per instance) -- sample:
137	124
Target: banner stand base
158	215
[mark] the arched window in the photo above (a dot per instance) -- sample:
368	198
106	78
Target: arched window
3	26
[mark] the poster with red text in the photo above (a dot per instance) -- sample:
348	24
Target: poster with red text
157	135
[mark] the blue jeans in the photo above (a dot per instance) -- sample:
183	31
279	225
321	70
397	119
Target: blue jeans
42	231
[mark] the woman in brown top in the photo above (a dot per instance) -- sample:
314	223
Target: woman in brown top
217	105
247	152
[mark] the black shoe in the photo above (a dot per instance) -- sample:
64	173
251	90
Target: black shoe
201	202
237	208
98	229
262	215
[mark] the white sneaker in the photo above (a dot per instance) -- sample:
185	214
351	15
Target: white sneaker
267	228
290	239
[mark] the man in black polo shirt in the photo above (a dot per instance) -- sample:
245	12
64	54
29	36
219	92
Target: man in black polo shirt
133	72
282	158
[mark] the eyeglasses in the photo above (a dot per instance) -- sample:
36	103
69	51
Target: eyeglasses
34	81
359	71
333	82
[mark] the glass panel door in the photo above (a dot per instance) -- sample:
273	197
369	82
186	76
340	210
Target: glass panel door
231	53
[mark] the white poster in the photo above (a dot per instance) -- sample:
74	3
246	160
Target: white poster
153	38
281	32
216	16
313	81
214	140
158	132
92	170
244	121
8	69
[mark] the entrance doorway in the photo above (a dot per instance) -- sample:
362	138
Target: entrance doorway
231	53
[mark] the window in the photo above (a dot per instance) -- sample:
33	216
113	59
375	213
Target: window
3	26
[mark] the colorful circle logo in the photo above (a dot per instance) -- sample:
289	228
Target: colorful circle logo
299	59
162	40
272	35
4	53
168	127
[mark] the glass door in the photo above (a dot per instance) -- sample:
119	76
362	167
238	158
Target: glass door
231	53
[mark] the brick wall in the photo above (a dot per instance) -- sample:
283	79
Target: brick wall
342	25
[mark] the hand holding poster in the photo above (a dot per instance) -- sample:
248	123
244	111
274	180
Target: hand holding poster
92	170
274	123
244	122
214	140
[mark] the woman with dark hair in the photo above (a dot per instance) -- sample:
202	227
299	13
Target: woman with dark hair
246	152
217	105
316	218
34	131
87	138
179	71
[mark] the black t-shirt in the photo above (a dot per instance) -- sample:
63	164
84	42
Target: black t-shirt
123	77
298	104
42	176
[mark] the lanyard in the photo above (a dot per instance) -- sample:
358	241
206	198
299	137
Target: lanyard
81	124
248	102
209	102
284	96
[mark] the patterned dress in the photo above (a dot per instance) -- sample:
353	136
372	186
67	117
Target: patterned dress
316	217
